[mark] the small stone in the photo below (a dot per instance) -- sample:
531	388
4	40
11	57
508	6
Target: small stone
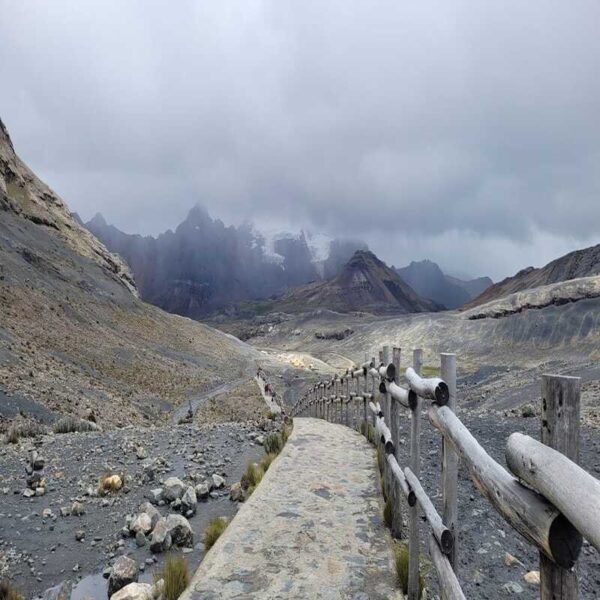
510	560
156	495
533	577
141	453
189	501
80	535
124	572
140	539
40	491
217	482
202	491
141	524
236	493
65	511
28	493
512	587
134	591
161	538
77	509
173	489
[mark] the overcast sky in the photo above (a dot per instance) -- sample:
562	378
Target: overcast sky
465	132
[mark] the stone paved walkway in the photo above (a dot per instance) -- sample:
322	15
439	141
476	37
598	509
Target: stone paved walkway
312	529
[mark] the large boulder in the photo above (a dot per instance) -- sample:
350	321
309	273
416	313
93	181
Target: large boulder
124	572
189	502
161	537
216	482
180	530
134	591
173	489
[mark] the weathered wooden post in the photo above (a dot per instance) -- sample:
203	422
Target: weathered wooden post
450	461
347	394
561	399
395	429
385	407
413	512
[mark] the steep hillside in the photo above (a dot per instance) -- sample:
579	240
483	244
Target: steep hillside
205	267
364	284
74	337
580	263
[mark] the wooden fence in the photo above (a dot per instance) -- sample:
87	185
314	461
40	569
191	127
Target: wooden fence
545	496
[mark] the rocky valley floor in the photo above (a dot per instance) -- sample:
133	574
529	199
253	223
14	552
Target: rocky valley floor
40	548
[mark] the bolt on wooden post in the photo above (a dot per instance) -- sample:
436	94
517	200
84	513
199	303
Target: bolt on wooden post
561	400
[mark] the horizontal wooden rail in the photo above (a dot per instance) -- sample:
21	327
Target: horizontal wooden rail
448	582
442	534
564	483
529	513
431	389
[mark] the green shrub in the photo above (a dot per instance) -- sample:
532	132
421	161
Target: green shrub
8	592
71	424
387	513
213	531
176	576
401	559
273	443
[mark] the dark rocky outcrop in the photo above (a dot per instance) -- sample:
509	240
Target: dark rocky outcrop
577	264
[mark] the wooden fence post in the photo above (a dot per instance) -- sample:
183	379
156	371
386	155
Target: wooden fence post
395	430
450	461
386	399
560	430
413	512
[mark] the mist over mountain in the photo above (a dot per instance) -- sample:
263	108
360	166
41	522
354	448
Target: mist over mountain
429	281
205	266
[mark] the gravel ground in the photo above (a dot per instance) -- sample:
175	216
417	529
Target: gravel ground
37	553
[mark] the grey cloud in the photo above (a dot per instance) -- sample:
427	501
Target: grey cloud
429	128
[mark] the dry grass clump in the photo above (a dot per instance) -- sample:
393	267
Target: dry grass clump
109	483
176	576
266	461
286	432
8	592
71	424
401	560
273	443
213	531
380	459
25	429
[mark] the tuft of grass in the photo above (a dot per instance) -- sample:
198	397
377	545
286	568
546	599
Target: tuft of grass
213	531
363	427
372	433
109	483
387	513
8	592
272	415
401	560
176	576
253	475
266	461
273	443
24	430
527	411
71	424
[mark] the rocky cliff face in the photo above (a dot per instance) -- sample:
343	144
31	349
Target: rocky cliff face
23	194
580	263
364	284
204	266
74	337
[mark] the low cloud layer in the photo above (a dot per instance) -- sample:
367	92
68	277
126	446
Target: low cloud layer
464	132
